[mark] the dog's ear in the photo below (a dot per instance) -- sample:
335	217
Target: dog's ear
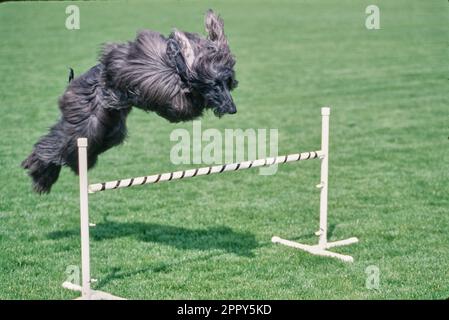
176	58
215	28
185	48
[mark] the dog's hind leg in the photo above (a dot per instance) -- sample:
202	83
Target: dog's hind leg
44	162
59	148
88	110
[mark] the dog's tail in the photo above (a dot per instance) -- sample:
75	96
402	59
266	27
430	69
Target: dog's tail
45	161
71	74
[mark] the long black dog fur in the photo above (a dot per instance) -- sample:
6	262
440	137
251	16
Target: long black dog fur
178	77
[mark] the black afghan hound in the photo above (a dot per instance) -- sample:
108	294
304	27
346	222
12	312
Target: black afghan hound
178	77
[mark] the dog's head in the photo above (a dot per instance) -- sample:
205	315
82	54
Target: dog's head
209	65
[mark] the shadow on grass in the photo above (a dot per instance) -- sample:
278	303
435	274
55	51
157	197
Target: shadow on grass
117	273
222	238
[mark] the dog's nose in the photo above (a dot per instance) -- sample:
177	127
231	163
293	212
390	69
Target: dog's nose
232	109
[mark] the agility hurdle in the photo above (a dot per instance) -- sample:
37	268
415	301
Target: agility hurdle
319	249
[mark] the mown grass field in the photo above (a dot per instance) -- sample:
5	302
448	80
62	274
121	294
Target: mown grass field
209	238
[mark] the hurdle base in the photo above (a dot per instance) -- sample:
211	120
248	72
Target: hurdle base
320	250
94	294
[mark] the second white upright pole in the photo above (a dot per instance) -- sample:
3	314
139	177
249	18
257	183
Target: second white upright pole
325	113
84	214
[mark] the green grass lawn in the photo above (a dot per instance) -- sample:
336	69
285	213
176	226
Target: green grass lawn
209	238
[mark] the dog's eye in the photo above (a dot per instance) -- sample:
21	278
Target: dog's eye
232	83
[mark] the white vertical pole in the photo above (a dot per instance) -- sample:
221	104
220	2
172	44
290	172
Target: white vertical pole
325	113
84	213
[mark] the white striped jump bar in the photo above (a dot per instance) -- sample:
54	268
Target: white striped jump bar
177	175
